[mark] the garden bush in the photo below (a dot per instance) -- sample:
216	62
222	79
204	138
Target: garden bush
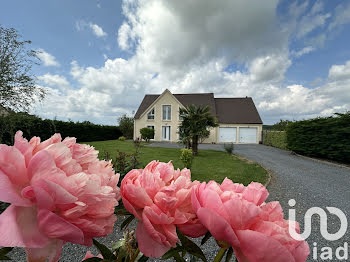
122	138
147	133
32	125
275	138
186	157
229	148
321	137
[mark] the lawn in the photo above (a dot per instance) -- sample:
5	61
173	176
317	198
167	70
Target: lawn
208	165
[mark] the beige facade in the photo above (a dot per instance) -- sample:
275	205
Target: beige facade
167	99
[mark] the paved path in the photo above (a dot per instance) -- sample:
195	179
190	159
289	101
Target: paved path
311	183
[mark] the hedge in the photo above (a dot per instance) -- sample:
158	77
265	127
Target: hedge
275	139
34	126
321	137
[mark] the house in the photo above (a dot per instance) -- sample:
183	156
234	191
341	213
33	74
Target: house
238	118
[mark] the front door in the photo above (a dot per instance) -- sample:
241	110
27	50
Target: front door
166	133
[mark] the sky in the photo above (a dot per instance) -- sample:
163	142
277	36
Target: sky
99	58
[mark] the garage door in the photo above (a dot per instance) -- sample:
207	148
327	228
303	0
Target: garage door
227	134
248	134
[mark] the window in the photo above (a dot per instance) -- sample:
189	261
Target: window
180	116
166	133
151	127
150	115
167	112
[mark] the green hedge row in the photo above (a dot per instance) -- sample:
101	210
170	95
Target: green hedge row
275	139
34	126
321	137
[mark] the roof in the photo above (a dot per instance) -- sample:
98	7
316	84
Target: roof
227	110
237	111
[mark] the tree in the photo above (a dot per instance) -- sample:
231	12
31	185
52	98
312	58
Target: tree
126	125
18	90
147	133
281	125
196	120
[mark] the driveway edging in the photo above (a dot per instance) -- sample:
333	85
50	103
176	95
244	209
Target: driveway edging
269	173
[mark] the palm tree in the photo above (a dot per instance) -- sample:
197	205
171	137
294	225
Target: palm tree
196	120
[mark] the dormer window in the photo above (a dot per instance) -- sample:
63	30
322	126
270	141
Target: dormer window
150	115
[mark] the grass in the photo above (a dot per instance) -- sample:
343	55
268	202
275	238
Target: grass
208	165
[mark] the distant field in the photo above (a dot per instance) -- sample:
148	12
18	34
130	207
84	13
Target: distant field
208	165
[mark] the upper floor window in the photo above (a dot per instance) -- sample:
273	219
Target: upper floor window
150	115
180	115
166	112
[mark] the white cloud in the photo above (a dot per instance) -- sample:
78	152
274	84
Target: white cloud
174	33
312	20
269	68
304	51
340	72
54	81
342	15
97	30
46	58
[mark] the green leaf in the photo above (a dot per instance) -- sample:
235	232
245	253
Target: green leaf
105	252
229	254
191	247
174	252
126	222
206	238
3	257
5	250
93	259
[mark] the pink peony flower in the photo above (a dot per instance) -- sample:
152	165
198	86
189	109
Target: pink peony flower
90	255
59	192
238	216
160	198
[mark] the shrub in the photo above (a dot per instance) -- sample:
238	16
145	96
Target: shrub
122	138
275	138
229	148
186	157
126	126
147	133
321	137
32	125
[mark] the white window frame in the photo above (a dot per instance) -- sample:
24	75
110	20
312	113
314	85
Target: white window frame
151	113
164	117
180	117
163	138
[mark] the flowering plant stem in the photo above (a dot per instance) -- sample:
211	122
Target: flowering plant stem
220	255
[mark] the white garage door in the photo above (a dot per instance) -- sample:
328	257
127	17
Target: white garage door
227	134
248	134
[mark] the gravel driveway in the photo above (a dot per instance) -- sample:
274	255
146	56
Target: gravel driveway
311	183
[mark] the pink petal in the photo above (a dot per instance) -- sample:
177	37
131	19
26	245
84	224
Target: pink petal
301	252
258	247
131	209
218	226
255	193
24	146
147	245
56	227
242	212
12	164
19	227
137	196
52	252
10	193
192	230
156	216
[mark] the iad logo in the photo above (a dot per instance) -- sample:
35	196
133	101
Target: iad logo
323	222
341	253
